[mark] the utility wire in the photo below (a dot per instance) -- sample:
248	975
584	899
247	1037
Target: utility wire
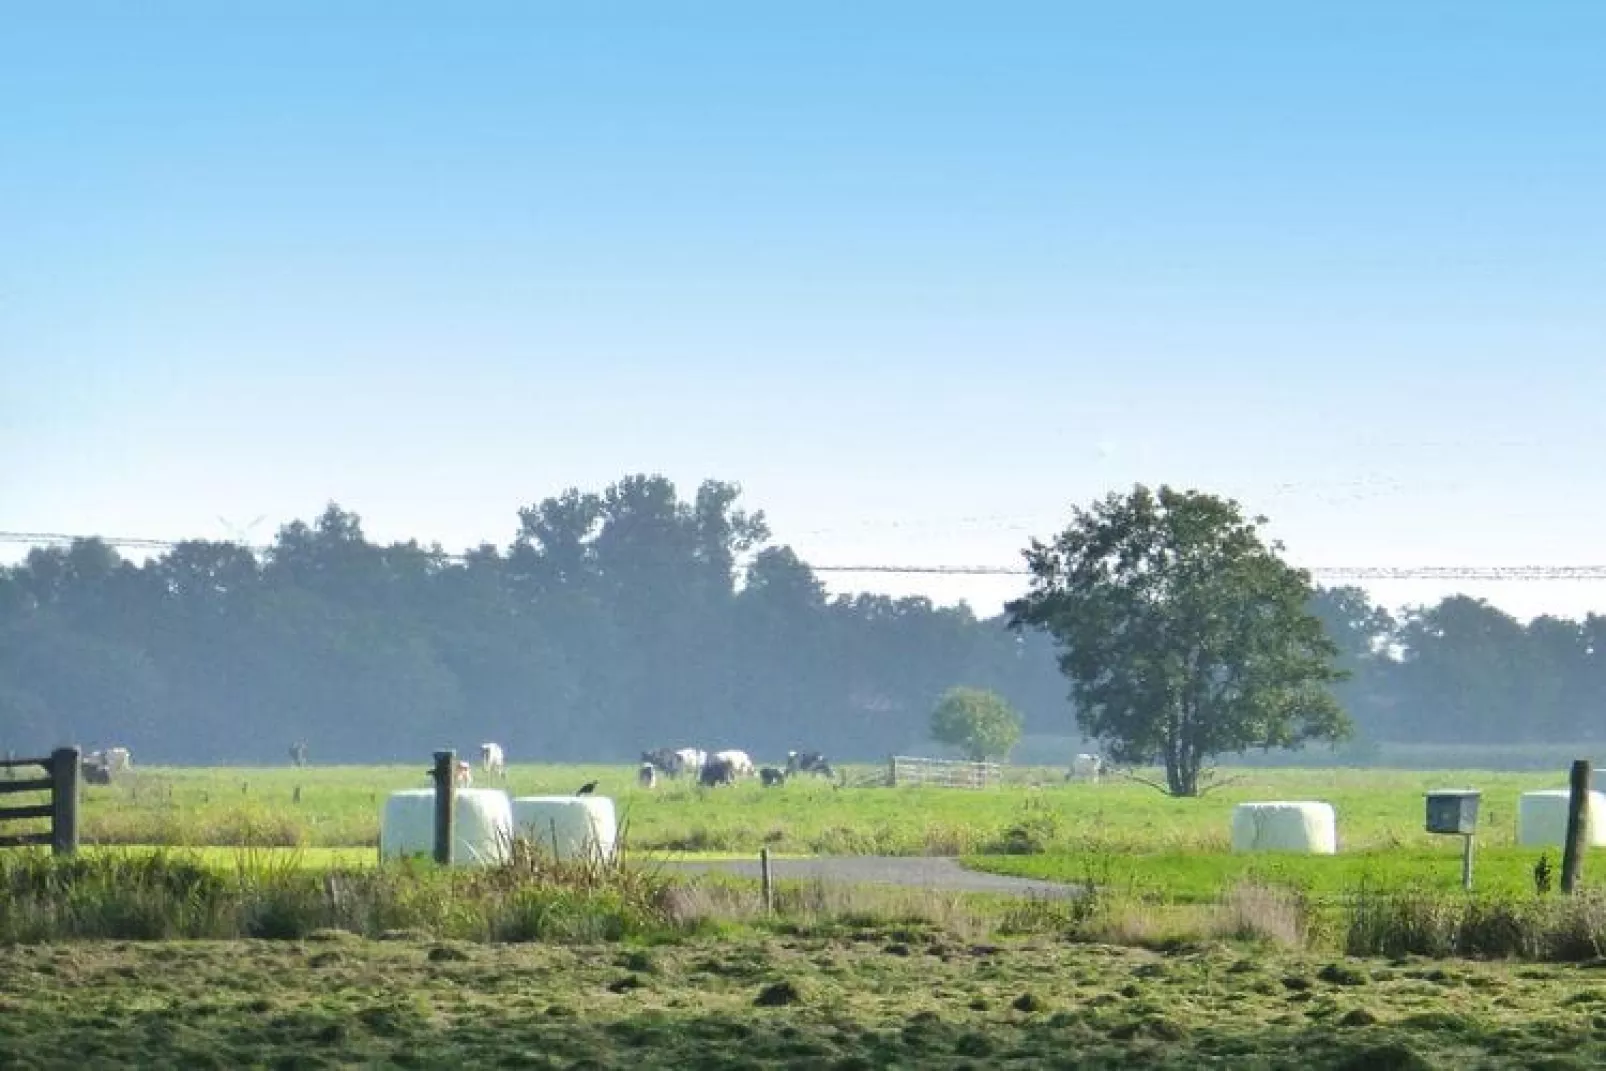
1353	572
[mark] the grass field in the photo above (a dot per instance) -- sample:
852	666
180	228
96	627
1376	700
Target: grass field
340	806
1195	878
872	998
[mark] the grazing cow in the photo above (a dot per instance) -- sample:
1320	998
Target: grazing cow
717	771
772	777
662	758
808	762
674	762
647	776
491	759
739	761
1086	768
103	767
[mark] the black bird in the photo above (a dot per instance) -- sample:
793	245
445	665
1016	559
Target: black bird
587	788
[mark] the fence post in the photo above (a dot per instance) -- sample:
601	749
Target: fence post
64	767
1572	857
765	882
892	772
445	800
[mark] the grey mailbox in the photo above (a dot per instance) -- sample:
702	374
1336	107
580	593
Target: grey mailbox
1454	812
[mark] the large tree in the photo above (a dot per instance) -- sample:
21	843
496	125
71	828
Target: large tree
1183	633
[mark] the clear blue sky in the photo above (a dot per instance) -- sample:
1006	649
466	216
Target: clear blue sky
918	276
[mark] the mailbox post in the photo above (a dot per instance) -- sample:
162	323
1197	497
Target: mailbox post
1455	812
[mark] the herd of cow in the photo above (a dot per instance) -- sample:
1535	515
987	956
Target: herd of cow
718	768
725	767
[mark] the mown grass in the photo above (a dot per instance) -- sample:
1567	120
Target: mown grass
884	996
340	807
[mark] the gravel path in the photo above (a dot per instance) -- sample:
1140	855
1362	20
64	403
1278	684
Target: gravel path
929	872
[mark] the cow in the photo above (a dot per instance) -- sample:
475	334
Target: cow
808	762
298	753
103	767
1086	767
663	758
739	761
772	777
675	762
647	775
464	776
492	760
717	771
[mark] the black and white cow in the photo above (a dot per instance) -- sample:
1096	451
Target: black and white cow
808	762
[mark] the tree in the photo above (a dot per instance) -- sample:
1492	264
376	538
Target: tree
977	722
1183	634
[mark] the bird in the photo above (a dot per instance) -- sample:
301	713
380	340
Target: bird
586	789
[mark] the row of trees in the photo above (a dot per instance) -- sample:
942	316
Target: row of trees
633	617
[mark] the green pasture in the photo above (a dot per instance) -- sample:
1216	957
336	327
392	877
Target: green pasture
1036	813
1196	878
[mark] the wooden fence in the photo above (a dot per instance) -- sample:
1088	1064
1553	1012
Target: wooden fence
61	781
950	773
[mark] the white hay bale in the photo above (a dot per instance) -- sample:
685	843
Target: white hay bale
482	825
1542	817
578	824
1304	826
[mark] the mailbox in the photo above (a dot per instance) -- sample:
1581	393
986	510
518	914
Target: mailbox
1454	812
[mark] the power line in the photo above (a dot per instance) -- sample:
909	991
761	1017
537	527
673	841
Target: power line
1351	572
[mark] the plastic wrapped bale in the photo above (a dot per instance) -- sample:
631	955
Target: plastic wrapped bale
1542	817
482	825
573	826
1305	826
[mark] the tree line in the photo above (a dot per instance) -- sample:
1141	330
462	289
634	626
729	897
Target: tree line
625	619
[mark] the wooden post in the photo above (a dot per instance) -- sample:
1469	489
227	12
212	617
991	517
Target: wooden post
1466	862
765	883
445	801
1572	857
892	771
64	767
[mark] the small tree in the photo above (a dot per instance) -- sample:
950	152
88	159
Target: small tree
978	722
1184	636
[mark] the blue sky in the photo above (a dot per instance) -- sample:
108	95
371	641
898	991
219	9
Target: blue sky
918	276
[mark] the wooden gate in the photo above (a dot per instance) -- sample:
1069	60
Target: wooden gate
60	779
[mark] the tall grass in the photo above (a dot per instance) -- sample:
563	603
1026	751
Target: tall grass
171	894
1424	922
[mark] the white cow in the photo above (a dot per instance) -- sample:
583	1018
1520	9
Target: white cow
492	760
691	760
465	775
741	762
1086	768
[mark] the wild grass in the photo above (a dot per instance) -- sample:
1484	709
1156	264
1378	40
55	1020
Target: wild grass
177	894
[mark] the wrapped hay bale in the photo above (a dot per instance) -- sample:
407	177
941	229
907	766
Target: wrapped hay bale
1304	826
482	825
1542	817
571	825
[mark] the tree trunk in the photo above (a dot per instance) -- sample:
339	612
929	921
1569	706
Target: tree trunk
1181	768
